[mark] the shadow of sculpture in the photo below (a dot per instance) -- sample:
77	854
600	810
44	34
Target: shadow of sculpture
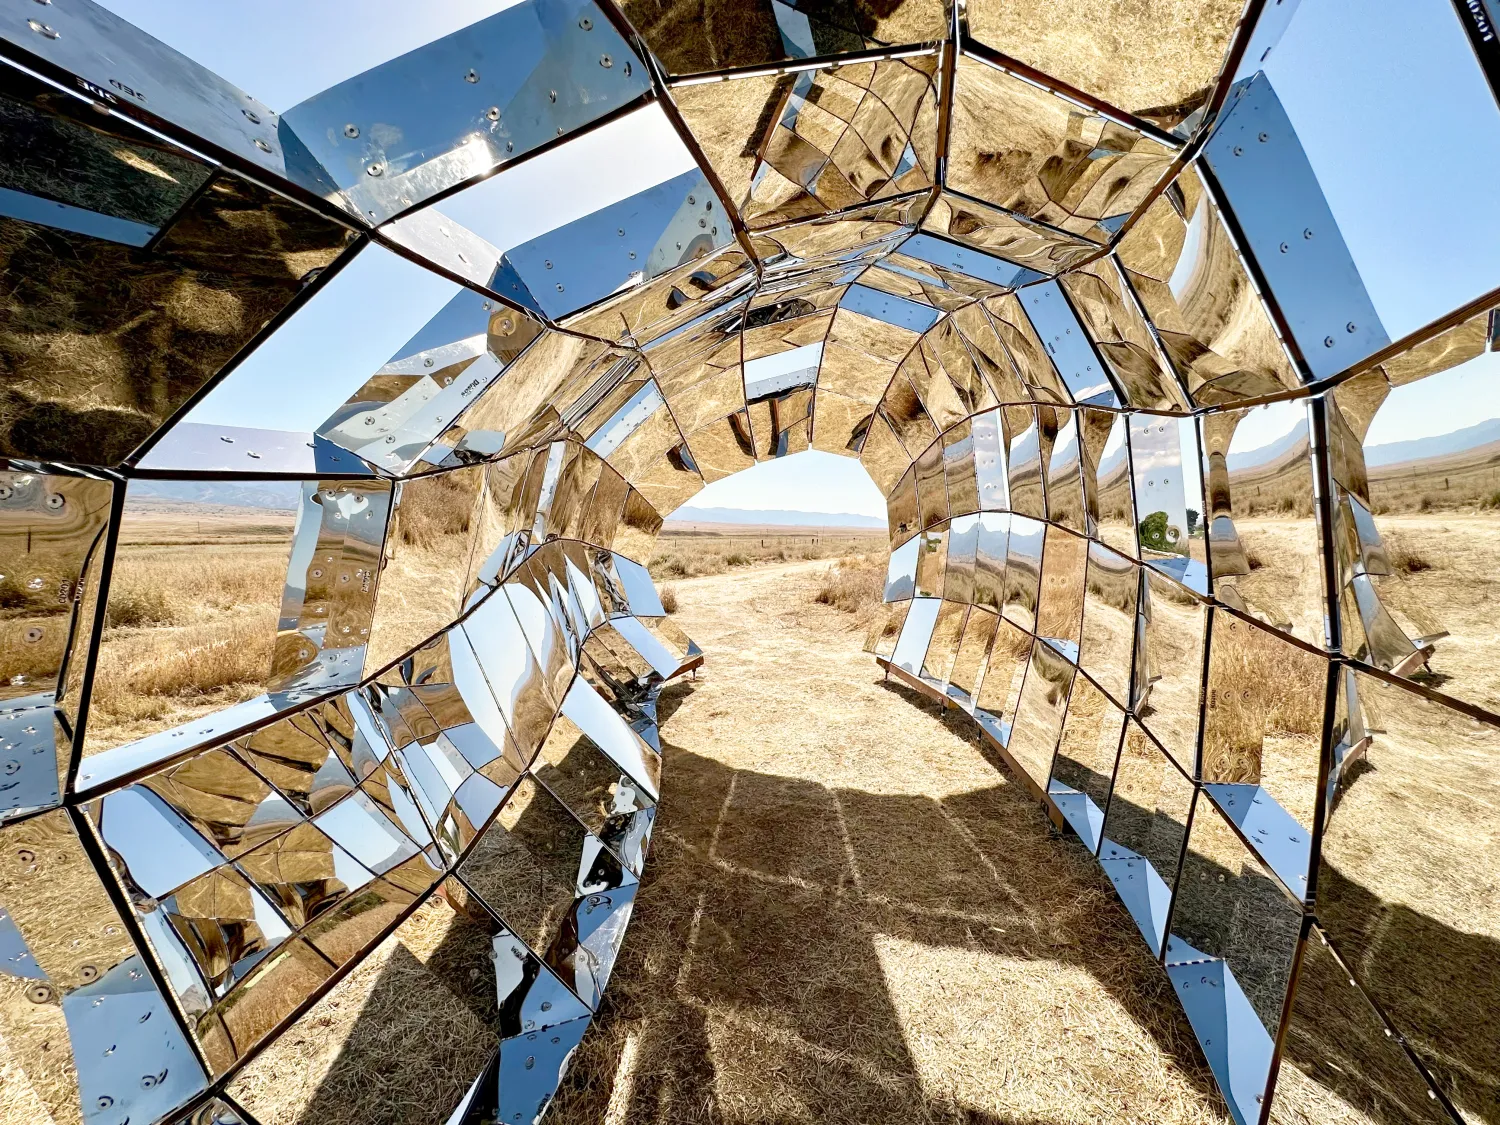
766	973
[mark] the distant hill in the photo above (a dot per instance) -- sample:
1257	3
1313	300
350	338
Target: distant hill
278	495
1430	448
773	517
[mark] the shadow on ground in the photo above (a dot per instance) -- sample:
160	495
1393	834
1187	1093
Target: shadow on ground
756	984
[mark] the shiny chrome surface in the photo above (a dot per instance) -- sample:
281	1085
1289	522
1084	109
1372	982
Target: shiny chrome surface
361	711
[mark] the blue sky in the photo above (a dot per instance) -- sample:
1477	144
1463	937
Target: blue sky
1385	95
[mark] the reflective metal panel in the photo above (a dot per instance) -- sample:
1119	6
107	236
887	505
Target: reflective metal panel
1339	1061
1169	507
1083	770
116	337
1158	63
1111	590
1262	729
396	135
1256	155
1106	305
1107	481
1060	602
1401	890
83	1018
1263	537
1171	630
1000	691
1411	449
1039	714
1029	151
666	226
1233	940
52	530
434	969
973	656
1185	269
1023	570
803	144
1029	244
686	42
1144	832
425	559
916	632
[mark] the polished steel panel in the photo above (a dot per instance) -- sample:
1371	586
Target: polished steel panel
1402	887
1171	633
1158	63
1083	770
1023	148
1144	830
1230	952
1039	714
1185	269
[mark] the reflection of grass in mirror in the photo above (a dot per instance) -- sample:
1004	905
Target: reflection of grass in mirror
1455	591
425	566
190	622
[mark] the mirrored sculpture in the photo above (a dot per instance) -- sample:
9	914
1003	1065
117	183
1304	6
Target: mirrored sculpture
1190	498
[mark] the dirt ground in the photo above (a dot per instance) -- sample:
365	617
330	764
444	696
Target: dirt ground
852	915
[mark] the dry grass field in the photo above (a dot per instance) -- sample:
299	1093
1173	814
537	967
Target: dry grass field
695	550
191	619
853	915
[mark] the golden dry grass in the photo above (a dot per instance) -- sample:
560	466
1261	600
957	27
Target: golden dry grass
669	598
190	622
695	554
855	586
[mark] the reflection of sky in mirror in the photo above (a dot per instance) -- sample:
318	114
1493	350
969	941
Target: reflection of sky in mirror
1400	126
1266	425
1159	469
1386	96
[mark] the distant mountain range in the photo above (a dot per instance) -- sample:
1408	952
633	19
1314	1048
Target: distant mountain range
775	517
278	495
1270	454
1430	448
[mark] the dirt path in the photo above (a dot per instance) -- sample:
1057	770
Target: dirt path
851	915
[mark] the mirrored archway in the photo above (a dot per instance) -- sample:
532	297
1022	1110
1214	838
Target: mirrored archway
1186	454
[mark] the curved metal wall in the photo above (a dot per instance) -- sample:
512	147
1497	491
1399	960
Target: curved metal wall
1198	546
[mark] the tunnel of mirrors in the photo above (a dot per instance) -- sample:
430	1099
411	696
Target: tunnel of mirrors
1183	399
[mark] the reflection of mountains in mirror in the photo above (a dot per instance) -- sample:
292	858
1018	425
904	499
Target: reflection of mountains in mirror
277	495
1293	443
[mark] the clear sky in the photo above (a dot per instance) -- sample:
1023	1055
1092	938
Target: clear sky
1385	95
